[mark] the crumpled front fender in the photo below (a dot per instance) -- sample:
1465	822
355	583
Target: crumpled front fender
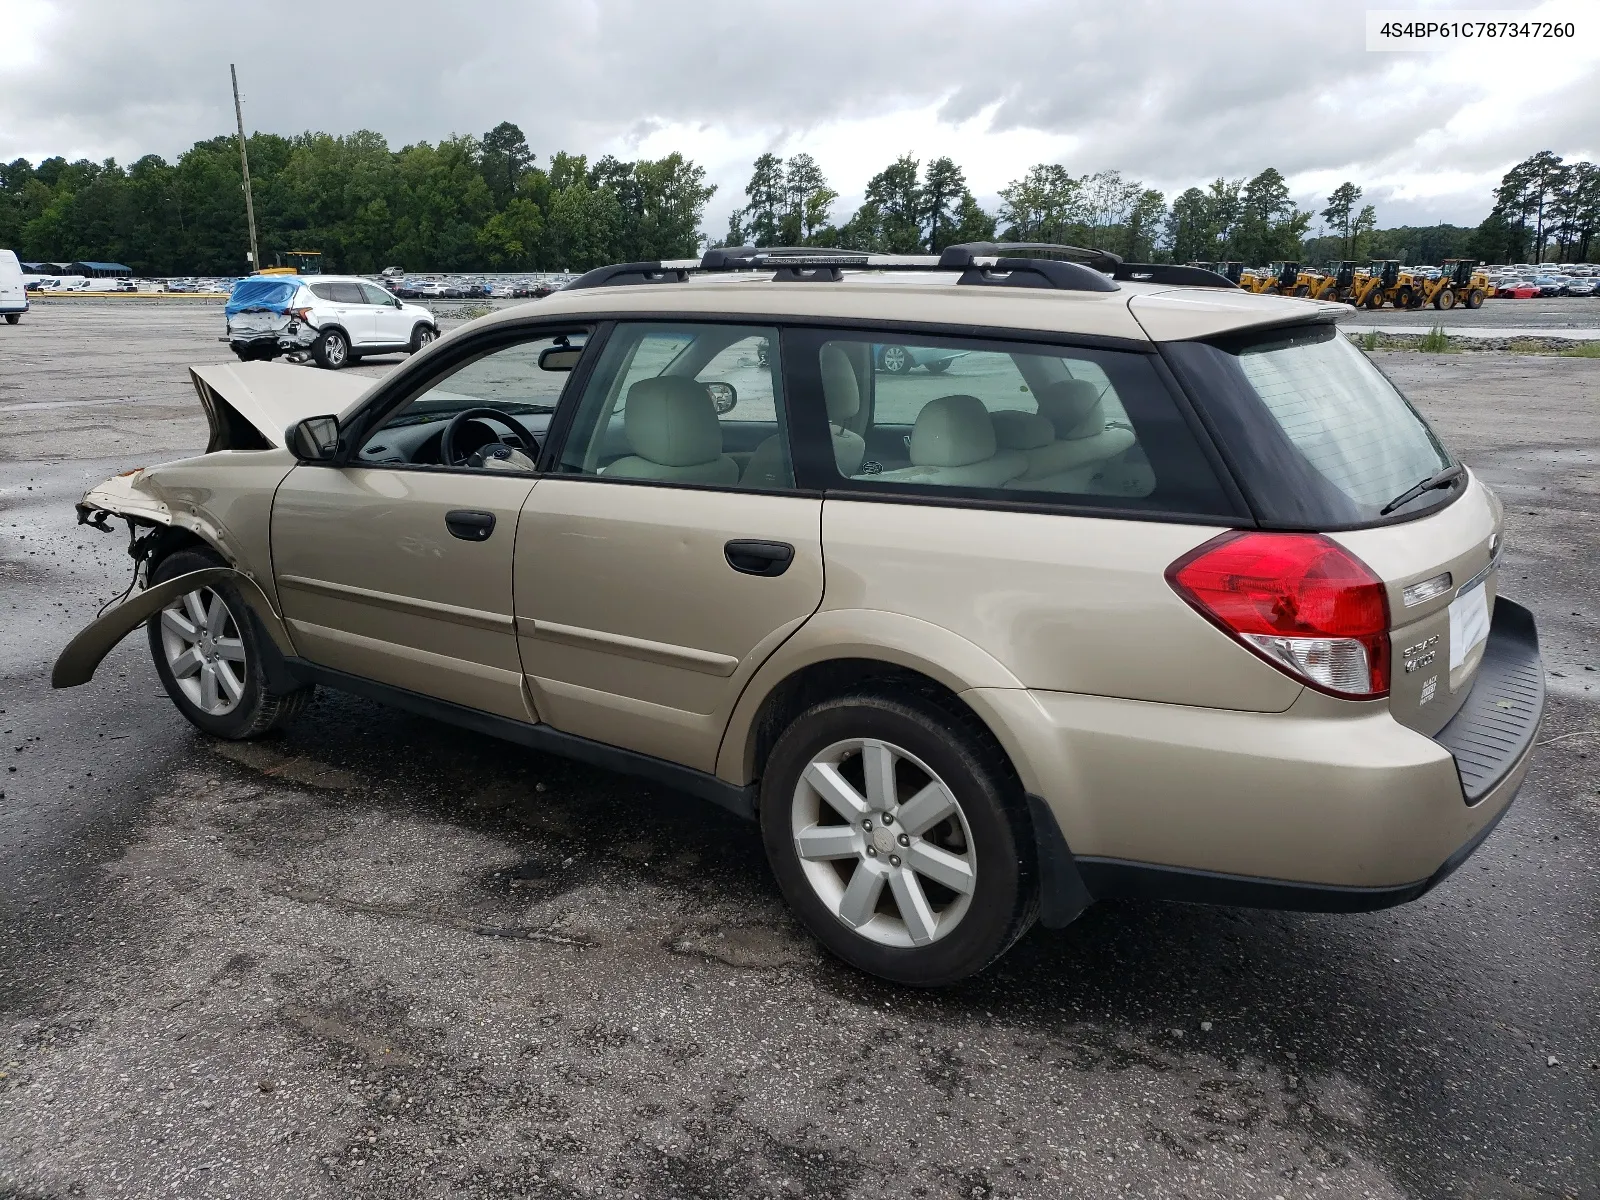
76	664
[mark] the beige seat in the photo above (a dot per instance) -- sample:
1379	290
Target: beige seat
671	425
1075	413
953	444
768	469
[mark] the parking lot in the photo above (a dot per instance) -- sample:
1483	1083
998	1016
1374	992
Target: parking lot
380	957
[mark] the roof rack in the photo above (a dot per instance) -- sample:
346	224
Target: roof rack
1169	273
983	264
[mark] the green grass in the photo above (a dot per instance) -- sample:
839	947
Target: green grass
1369	340
1526	346
1435	341
1582	350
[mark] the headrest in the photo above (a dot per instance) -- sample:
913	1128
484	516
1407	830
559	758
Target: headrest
1018	430
840	391
672	421
952	431
1073	407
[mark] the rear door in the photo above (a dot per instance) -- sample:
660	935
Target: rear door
351	310
668	552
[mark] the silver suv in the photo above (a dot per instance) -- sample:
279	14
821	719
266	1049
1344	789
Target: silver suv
331	319
1156	588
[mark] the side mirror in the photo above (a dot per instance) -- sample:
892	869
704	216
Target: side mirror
316	439
559	358
723	395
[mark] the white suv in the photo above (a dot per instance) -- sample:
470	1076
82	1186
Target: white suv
333	319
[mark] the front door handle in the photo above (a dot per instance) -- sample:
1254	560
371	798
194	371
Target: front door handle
759	558
469	524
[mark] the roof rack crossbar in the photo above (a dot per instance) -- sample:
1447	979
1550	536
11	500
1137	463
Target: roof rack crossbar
1170	273
1037	273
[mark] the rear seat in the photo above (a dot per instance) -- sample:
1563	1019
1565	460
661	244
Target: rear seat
953	445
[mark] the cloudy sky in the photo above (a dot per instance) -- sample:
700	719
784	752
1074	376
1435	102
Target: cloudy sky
1172	92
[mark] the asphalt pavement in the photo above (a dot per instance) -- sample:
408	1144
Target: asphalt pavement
379	957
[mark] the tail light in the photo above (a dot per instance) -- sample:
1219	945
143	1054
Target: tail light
300	314
1302	602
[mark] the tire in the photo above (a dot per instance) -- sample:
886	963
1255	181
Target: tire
1475	298
984	838
1402	299
1445	299
894	360
1375	298
331	350
422	336
239	707
13	318
938	366
1303	290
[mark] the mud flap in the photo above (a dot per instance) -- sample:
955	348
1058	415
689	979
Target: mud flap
76	664
1062	893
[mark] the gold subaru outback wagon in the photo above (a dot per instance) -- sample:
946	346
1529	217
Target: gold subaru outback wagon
990	585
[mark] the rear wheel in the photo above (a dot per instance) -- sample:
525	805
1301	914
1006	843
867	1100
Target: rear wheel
1402	298
13	318
939	366
1475	298
208	653
896	360
899	837
331	349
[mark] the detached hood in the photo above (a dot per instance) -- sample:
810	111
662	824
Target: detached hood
251	405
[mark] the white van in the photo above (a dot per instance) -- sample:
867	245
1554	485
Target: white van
13	297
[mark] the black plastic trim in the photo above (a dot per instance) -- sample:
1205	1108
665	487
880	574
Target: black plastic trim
1175	275
737	799
1494	729
1062	893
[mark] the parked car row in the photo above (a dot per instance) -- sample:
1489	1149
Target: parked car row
1525	287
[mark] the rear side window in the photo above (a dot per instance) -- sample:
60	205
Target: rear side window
1320	435
1009	422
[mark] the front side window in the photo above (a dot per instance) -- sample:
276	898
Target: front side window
376	295
1017	422
687	404
487	413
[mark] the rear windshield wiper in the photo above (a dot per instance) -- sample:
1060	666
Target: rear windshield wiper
1440	479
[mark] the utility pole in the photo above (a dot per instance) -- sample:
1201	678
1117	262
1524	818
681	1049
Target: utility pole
244	161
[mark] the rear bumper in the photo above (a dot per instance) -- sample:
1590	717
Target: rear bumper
12	306
1312	809
295	336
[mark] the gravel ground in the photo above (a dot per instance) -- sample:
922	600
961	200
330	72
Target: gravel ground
379	957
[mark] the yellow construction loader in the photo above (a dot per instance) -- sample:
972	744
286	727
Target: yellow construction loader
1374	283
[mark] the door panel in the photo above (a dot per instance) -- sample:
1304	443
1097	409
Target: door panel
391	326
372	581
635	629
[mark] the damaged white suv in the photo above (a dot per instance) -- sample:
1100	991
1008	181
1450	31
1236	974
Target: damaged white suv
332	319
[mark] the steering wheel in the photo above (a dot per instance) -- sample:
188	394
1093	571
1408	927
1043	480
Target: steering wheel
447	440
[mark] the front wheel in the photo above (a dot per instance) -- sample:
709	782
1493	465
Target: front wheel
896	360
899	837
208	655
422	336
13	318
1375	299
938	366
331	350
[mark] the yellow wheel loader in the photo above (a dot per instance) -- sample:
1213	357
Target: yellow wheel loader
1469	284
1373	284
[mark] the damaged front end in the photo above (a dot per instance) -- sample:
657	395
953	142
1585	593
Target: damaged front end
220	501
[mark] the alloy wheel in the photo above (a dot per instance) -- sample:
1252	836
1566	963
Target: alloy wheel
204	651
895	360
883	842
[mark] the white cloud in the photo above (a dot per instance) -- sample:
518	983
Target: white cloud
1174	92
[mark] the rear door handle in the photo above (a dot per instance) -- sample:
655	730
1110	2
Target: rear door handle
469	524
759	558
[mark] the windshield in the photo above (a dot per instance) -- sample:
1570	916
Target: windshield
1321	436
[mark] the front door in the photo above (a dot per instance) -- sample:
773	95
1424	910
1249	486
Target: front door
390	324
669	554
397	566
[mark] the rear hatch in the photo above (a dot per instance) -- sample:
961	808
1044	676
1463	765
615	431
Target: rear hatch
260	306
1322	442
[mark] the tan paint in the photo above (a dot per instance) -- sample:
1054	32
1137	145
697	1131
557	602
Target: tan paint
1065	603
625	600
371	582
1177	314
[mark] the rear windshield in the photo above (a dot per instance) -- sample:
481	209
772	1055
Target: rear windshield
1320	435
273	294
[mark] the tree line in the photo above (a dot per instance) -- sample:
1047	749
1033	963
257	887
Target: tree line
470	203
464	204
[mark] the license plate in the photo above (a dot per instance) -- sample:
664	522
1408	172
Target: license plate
1469	623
